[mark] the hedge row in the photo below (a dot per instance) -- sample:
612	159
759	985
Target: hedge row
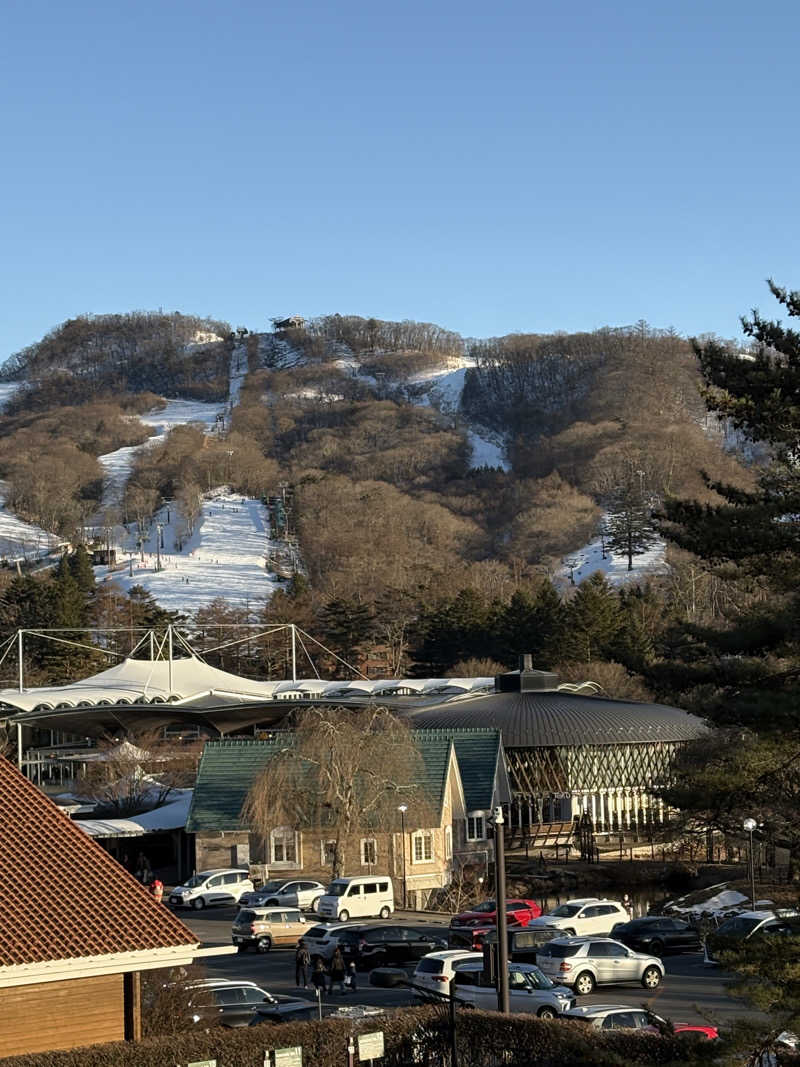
413	1037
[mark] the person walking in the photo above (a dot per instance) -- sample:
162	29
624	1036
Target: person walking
302	959
318	976
337	970
350	978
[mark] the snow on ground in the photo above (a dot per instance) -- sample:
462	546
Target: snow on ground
21	540
224	557
442	388
7	390
238	373
589	559
444	385
486	453
118	464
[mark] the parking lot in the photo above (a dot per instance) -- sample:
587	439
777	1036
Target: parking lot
691	991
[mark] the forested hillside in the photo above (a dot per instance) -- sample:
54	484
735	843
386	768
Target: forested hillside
379	431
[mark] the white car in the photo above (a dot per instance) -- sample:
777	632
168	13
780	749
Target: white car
294	893
321	940
585	915
586	962
435	971
223	885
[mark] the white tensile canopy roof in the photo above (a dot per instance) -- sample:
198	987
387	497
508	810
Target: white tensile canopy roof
136	681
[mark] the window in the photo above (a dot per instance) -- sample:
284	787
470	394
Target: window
422	850
620	1020
283	846
448	843
328	849
476	828
383	887
370	887
369	851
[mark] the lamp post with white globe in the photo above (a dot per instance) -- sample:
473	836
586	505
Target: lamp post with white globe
748	826
403	808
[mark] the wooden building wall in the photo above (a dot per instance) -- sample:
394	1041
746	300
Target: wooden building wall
61	1015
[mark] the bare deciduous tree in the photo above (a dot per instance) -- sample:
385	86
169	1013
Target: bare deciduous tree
344	772
139	773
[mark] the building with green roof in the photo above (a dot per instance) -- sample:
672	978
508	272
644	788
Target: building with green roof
461	772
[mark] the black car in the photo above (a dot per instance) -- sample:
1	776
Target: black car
374	946
230	1003
657	934
280	1008
523	943
751	926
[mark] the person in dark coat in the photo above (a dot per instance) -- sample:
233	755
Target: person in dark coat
318	975
302	959
337	970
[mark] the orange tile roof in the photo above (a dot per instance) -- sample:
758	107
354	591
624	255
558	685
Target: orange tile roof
62	896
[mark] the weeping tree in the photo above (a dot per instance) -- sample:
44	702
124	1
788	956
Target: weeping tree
342	772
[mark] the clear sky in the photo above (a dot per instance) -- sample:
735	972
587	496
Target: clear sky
494	167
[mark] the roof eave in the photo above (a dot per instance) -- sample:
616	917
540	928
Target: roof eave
112	963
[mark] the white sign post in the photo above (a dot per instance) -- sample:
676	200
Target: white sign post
370	1046
284	1057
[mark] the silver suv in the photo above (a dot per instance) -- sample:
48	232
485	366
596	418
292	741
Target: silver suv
586	962
528	990
223	885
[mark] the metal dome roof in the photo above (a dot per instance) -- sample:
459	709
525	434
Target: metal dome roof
550	718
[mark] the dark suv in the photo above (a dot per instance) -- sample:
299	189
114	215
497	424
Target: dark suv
658	934
374	946
736	932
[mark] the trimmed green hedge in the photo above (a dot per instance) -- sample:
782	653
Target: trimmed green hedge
414	1037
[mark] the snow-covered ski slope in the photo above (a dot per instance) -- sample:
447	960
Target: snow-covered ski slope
225	556
441	387
118	464
227	552
20	540
589	559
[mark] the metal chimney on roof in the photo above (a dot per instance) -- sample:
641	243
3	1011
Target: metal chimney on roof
526	679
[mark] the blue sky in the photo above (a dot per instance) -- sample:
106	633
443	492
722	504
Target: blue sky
490	167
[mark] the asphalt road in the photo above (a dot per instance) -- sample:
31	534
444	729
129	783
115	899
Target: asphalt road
691	991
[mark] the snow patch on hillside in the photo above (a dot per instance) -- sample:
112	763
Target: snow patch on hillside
7	390
590	559
224	557
118	464
21	540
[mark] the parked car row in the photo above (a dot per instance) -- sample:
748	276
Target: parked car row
343	899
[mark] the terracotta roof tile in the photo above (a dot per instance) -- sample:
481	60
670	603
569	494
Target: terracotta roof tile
62	896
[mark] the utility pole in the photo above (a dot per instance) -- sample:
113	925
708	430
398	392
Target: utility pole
502	921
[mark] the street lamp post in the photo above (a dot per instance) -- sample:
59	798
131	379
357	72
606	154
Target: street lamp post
748	826
502	920
403	808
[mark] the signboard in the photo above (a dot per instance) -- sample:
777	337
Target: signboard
285	1057
202	1063
370	1046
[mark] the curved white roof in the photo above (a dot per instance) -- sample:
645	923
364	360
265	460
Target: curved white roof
135	681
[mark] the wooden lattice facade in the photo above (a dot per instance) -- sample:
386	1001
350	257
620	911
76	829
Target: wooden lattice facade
614	783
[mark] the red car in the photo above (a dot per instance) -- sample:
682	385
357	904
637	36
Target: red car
702	1032
517	911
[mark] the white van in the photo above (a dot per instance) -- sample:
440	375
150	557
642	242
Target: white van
351	898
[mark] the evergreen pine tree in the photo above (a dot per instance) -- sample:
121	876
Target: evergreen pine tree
594	620
81	569
346	625
531	623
